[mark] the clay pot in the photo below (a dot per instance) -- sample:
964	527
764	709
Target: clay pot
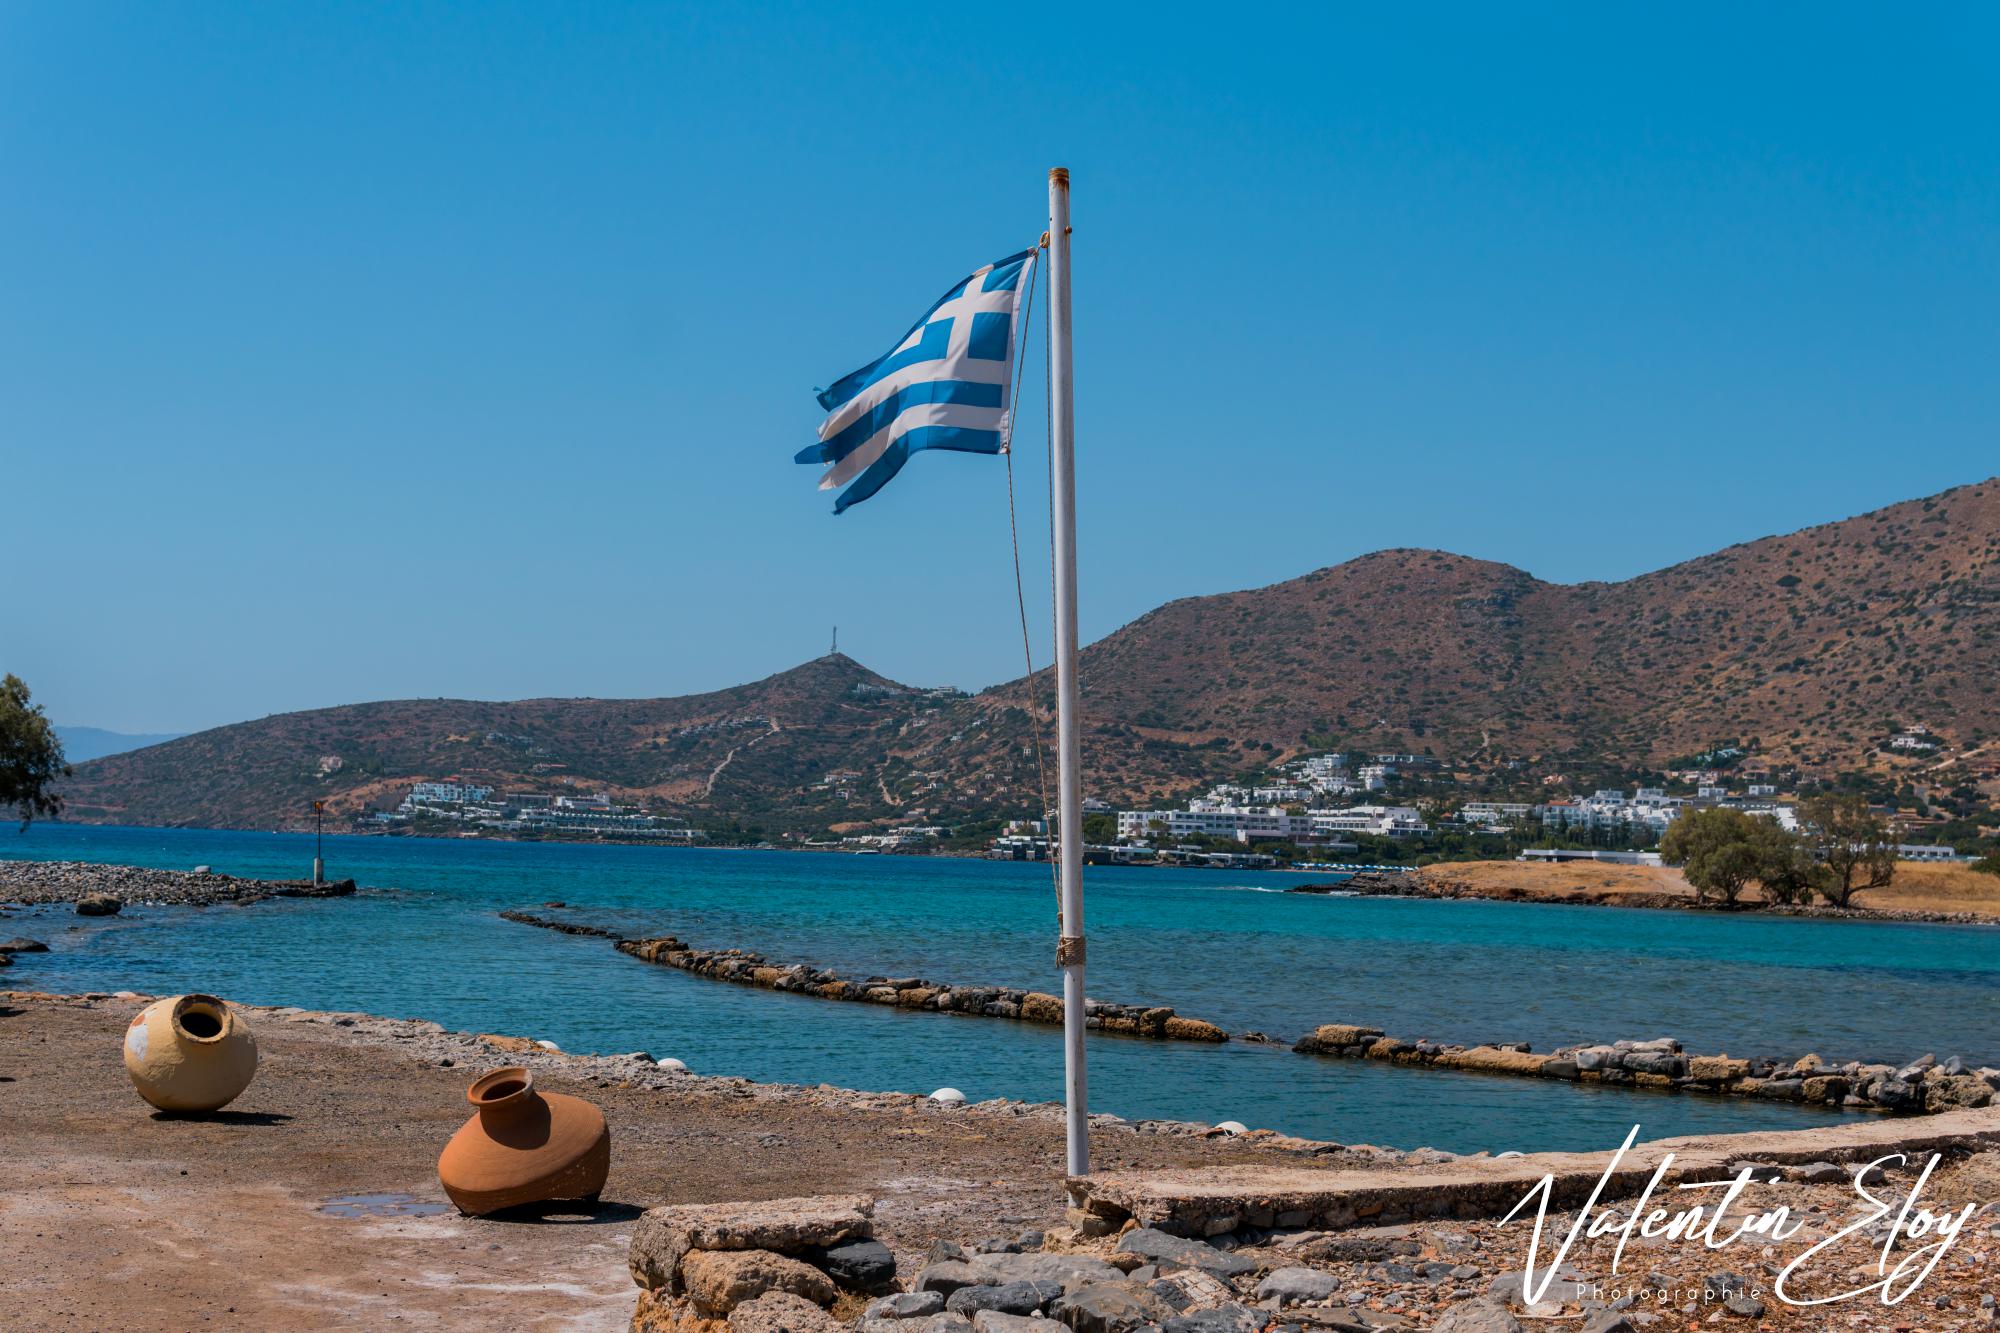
524	1146
190	1053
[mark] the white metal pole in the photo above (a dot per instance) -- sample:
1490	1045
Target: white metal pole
1069	783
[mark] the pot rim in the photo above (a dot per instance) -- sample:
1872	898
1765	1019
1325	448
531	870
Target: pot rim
214	1005
480	1094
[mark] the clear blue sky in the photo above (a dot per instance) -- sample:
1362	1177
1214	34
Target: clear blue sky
359	351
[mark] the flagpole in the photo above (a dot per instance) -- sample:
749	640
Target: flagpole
1069	782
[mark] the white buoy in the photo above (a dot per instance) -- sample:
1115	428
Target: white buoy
1233	1127
672	1066
948	1097
547	1045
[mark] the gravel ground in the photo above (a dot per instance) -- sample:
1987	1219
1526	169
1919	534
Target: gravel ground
114	1217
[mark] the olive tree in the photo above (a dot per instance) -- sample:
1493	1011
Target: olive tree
31	758
1852	845
1717	850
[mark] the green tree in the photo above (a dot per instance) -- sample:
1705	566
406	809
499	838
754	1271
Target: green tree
1786	868
31	758
1717	850
1851	842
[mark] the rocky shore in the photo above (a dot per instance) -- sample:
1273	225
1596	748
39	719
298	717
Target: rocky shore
1438	882
1925	1086
744	968
31	883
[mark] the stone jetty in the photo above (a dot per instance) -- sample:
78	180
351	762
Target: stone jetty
1924	1086
106	888
753	969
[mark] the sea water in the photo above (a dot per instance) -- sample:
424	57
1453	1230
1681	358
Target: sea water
424	939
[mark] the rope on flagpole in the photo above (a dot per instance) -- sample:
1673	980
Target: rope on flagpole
1021	603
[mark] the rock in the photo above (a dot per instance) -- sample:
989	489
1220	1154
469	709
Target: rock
1062	1269
905	1305
1511	1289
1229	1318
1816	1173
947	1276
1110	1307
939	1323
1186	1288
20	944
98	904
994	1321
1296	1286
1177	1252
663	1236
1747	1307
718	1281
1334	1036
1609	1321
1478	1316
866	1266
1193	1029
1594	1059
782	1312
1896	1094
1956	1092
1010	1298
1717	1069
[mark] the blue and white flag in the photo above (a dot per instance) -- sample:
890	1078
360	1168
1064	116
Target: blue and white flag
944	386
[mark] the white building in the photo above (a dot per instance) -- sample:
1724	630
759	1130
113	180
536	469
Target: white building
1388	821
1209	819
447	793
1375	777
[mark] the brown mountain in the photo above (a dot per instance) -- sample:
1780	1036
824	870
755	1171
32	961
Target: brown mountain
1812	645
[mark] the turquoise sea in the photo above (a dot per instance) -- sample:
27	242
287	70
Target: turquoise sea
423	940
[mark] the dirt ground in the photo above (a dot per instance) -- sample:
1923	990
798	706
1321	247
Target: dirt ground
1918	887
114	1217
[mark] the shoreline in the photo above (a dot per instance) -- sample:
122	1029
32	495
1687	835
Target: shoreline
38	883
312	1202
1432	883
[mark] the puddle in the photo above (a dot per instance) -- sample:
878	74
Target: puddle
382	1205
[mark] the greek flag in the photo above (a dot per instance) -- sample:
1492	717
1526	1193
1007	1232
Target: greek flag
944	386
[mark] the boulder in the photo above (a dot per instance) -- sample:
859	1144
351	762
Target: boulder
1110	1307
718	1281
947	1276
1229	1318
1595	1059
1193	1029
1480	1316
98	904
21	944
1609	1321
664	1236
1662	1064
1494	1060
1039	1008
1027	1297
1956	1092
1333	1036
994	1321
1159	1248
1184	1288
865	1266
782	1312
1717	1069
1061	1269
905	1305
1297	1286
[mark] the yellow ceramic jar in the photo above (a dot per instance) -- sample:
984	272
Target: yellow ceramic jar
190	1053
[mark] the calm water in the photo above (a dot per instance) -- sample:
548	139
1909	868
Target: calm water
423	940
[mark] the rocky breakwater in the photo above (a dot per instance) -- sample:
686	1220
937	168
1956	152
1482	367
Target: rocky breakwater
751	969
102	890
1924	1086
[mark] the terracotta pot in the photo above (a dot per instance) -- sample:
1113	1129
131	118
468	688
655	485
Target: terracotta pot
524	1146
190	1053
